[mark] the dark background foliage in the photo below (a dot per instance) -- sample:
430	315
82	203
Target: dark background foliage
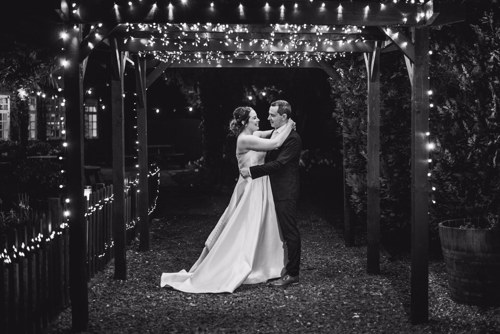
464	122
22	171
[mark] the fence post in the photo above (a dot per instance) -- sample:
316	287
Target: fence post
4	287
32	278
38	273
45	273
55	219
23	278
13	284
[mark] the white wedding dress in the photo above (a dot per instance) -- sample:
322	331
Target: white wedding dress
245	246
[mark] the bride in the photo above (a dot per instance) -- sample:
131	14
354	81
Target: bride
245	246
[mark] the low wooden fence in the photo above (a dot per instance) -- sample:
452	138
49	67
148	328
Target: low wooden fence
34	258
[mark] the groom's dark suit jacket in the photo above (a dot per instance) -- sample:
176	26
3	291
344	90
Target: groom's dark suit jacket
282	166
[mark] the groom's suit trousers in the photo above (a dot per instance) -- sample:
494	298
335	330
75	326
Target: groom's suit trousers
282	166
287	221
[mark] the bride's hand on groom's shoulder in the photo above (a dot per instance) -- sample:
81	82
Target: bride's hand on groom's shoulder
292	124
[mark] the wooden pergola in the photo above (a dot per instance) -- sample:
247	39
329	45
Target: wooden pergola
156	35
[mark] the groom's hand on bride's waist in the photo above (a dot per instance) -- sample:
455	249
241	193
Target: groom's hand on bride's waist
245	172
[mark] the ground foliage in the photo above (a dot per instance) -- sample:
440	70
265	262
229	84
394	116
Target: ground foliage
335	294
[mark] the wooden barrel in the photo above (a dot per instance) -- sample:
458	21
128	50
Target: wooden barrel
472	257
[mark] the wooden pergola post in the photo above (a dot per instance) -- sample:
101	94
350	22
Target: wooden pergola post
118	143
73	77
142	131
419	183
372	61
348	223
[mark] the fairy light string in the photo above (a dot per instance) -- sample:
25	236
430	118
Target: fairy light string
13	253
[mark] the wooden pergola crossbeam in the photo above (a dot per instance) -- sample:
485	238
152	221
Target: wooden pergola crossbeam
249	32
361	13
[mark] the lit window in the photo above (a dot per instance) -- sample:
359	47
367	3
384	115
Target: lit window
55	119
4	117
91	119
32	118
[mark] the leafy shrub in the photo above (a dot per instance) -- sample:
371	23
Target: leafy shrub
465	172
21	173
465	120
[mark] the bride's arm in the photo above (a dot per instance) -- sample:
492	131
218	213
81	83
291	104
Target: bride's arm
254	143
263	134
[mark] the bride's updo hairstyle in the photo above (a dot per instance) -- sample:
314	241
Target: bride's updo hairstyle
240	119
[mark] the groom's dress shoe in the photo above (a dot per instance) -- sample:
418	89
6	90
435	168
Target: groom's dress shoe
285	281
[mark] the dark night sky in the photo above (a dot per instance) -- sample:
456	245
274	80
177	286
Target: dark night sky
29	22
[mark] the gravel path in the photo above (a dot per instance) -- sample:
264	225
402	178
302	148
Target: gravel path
335	294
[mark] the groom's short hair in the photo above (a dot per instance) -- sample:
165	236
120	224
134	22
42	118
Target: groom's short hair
283	107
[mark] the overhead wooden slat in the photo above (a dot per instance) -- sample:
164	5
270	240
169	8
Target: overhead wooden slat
241	63
136	45
363	13
256	37
249	31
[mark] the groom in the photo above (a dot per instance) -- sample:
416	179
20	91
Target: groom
282	166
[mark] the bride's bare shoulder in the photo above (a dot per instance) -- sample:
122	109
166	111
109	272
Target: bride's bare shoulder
244	138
